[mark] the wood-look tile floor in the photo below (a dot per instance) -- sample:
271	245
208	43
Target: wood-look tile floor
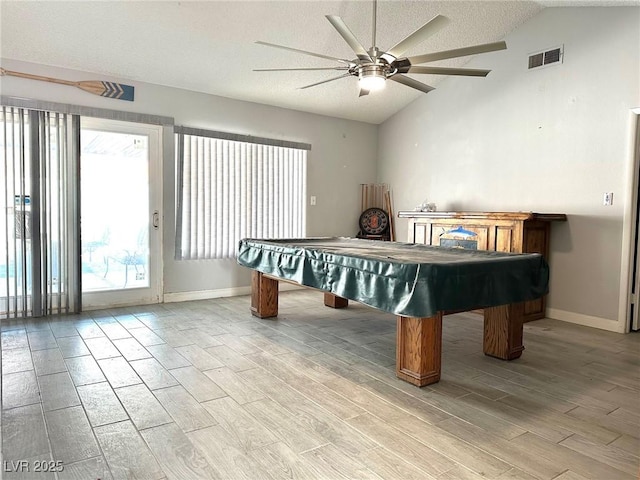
204	390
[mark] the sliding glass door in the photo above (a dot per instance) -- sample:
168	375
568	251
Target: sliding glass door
120	171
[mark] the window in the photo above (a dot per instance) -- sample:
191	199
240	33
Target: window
231	187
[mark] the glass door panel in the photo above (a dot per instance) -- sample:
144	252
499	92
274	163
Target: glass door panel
114	212
120	244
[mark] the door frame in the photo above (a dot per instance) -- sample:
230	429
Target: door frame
132	296
629	229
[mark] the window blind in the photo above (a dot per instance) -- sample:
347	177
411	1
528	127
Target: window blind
232	189
38	213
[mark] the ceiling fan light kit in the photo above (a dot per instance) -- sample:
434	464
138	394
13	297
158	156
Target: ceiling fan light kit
372	77
374	67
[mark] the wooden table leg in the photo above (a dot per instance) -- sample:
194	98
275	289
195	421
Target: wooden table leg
503	331
418	349
334	301
264	295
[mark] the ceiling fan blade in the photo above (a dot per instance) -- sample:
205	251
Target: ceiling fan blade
292	69
305	52
420	35
349	37
363	92
325	81
468	72
410	82
458	52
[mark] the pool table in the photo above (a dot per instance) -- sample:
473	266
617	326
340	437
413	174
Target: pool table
417	283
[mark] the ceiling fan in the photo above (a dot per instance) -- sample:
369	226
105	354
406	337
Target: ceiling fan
374	67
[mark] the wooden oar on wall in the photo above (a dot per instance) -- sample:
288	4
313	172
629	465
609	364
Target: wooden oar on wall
97	87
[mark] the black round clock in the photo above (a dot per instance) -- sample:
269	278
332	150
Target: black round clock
374	221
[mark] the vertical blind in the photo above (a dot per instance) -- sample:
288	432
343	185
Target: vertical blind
37	217
229	189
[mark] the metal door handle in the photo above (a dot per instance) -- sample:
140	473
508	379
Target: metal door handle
156	219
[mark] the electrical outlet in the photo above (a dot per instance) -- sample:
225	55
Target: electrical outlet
607	199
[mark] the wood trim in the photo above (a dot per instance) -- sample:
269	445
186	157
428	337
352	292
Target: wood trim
546	217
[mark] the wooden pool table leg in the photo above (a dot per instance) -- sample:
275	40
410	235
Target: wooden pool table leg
418	349
264	295
334	301
503	331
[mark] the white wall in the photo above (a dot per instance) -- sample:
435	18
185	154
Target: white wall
551	140
343	156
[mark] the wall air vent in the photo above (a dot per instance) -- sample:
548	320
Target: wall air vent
548	57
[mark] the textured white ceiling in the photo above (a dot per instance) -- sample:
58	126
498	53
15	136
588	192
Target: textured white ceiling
209	46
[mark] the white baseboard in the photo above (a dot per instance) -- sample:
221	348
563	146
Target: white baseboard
219	293
586	320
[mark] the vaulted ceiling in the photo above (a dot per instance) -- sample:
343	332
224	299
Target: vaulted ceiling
209	46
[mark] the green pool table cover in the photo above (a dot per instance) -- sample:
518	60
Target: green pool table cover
401	278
